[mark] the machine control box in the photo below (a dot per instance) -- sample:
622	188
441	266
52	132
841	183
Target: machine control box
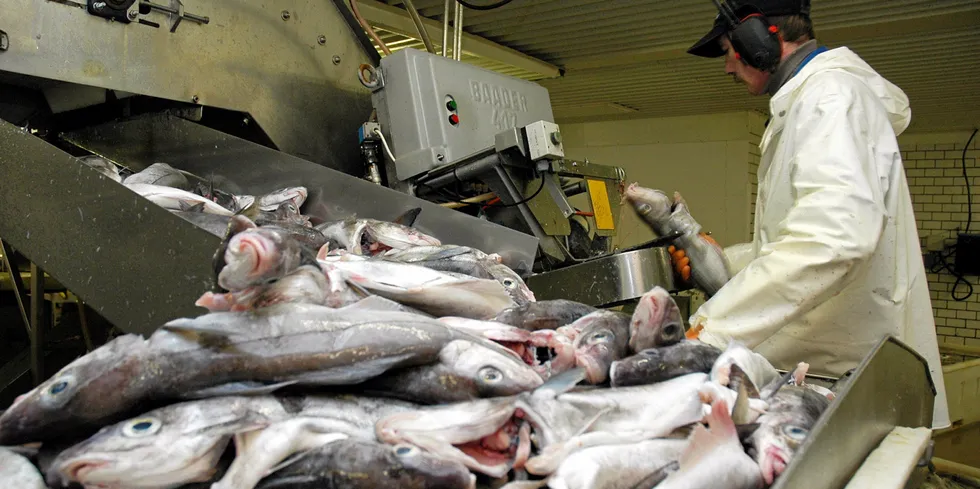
434	110
544	140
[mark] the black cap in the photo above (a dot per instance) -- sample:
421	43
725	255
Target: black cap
708	47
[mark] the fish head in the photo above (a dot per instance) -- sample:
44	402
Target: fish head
513	283
467	432
381	236
165	447
251	256
633	369
656	321
270	201
492	369
602	339
652	205
784	427
416	467
79	395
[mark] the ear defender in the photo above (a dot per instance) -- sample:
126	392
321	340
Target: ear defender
753	38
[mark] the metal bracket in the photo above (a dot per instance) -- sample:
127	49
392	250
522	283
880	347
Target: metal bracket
179	12
4	41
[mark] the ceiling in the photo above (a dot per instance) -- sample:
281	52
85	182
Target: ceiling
608	59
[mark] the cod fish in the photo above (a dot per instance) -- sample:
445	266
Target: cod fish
371	236
710	269
360	464
175	199
551	314
599	339
616	466
252	255
102	165
17	472
437	293
792	411
545	351
659	364
183	442
492	436
656	321
466	261
466	370
714	458
307	284
273	200
159	174
214	354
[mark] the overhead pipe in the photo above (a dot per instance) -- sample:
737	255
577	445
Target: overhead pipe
445	27
421	27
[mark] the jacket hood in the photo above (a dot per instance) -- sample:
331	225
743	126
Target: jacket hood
842	59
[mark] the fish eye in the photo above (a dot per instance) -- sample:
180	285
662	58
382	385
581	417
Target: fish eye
406	450
491	374
671	329
649	352
599	336
795	432
60	389
508	283
141	427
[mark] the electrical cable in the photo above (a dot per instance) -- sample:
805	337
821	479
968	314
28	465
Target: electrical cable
969	197
942	258
492	6
418	25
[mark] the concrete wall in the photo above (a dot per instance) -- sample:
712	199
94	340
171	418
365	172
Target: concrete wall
934	168
710	160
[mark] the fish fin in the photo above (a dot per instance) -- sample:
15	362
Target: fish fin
561	383
353	373
374	303
703	442
740	411
588	424
657	476
246	388
746	430
184	206
737	378
408	218
213	339
773	387
361	291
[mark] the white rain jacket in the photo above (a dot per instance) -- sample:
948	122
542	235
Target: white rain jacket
835	262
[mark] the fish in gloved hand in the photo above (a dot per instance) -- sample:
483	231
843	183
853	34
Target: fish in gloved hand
550	314
710	269
664	363
466	261
371	236
656	321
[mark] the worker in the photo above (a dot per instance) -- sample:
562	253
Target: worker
835	262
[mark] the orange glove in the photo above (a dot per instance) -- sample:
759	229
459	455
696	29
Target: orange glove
682	263
694	332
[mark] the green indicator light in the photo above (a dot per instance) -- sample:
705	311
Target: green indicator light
451	105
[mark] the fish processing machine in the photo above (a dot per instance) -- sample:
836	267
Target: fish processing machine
263	95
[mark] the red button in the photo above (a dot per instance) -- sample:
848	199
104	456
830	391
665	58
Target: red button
454	119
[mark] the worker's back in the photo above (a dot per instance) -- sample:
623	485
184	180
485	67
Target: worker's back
839	108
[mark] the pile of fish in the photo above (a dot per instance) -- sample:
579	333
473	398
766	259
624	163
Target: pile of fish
364	353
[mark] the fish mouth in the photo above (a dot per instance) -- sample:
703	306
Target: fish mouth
78	470
773	464
594	371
